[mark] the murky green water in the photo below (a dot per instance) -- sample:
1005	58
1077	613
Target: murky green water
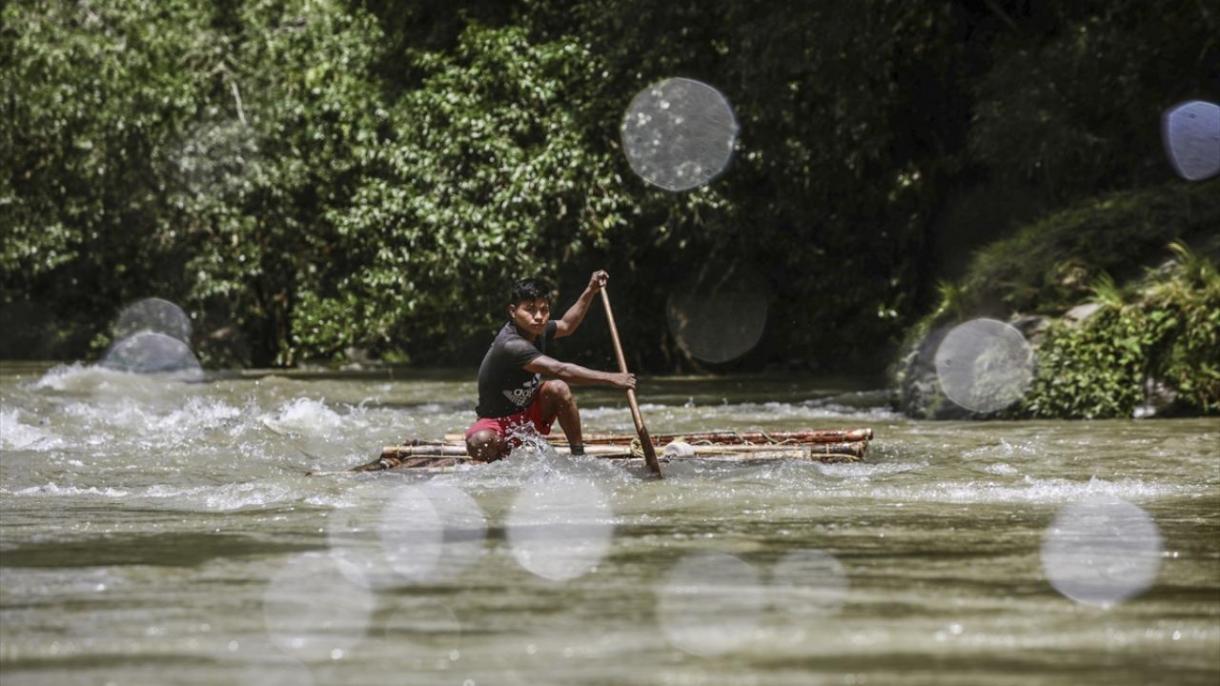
158	532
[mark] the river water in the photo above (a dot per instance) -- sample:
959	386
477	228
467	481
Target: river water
154	531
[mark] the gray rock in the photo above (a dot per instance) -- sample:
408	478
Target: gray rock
919	392
1080	313
152	352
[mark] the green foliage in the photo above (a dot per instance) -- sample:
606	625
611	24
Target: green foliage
312	176
1097	370
92	95
1168	331
847	112
483	176
300	124
1063	110
1191	297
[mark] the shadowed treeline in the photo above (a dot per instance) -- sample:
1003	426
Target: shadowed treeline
321	180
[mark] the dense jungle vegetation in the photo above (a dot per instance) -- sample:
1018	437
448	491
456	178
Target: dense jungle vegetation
316	180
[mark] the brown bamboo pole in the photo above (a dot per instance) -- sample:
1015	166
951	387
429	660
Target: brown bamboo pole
743	437
819	453
650	453
802	436
401	453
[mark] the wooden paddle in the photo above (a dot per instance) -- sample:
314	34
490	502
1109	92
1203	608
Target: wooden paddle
650	453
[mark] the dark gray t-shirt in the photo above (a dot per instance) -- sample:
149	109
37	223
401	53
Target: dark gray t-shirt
504	386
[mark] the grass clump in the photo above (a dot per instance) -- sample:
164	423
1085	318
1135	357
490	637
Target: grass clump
1159	337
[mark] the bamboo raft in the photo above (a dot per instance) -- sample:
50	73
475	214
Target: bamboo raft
824	446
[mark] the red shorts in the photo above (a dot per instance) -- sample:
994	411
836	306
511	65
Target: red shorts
502	426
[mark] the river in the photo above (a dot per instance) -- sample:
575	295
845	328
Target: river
155	532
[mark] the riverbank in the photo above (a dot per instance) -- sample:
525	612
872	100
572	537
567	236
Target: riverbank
1119	300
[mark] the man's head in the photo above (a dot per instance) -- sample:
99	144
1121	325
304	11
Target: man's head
529	305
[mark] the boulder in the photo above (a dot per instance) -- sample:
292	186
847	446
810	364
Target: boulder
1080	313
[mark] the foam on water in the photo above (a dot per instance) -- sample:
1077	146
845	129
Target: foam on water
55	490
305	415
161	423
1031	490
225	498
15	435
719	485
866	470
81	378
1001	469
1006	449
538	463
240	496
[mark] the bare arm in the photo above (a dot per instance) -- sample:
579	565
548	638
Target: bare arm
574	373
571	319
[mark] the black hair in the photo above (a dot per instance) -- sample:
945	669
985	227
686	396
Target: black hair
530	289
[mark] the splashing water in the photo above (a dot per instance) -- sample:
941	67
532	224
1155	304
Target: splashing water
118	491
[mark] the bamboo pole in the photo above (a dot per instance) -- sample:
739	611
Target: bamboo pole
650	453
742	437
695	437
402	455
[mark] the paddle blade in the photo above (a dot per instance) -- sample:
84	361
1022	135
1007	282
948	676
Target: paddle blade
650	453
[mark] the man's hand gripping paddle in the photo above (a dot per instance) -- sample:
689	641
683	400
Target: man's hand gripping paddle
650	454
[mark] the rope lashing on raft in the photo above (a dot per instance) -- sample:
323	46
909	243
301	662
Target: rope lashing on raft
637	448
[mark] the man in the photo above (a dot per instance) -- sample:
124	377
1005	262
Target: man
512	394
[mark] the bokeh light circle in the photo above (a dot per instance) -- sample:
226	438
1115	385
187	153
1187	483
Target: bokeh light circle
432	532
678	134
718	317
560	529
984	365
215	158
149	352
153	314
354	538
465	528
1102	551
311	609
420	628
808	583
710	604
1191	132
